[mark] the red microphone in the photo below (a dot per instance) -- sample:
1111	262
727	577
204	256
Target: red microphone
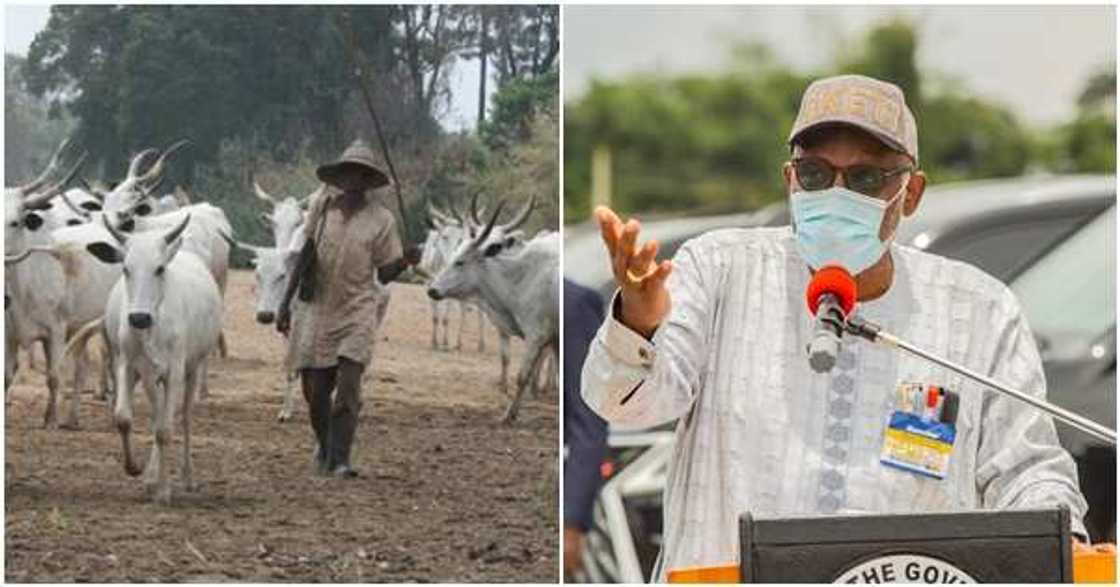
831	296
835	280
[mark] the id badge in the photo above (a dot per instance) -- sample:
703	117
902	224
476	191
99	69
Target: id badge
918	445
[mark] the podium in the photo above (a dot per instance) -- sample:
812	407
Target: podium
1021	546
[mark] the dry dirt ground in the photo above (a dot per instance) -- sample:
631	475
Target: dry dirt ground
447	494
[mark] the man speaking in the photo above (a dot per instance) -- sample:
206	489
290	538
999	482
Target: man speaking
717	337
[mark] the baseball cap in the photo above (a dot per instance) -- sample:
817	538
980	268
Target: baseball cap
875	106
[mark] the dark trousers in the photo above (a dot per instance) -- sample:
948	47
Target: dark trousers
334	423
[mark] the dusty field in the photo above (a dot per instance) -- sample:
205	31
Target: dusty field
446	494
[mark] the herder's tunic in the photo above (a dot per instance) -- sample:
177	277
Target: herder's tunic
342	317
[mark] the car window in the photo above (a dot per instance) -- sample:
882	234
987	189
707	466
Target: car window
1002	250
1072	290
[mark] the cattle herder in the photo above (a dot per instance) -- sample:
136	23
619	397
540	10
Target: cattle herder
351	242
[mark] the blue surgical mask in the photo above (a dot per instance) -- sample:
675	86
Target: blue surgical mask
838	226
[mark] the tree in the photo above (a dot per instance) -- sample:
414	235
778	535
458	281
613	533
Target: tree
138	76
889	53
515	105
31	133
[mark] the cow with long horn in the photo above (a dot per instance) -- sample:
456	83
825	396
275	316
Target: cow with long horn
284	218
519	283
47	296
163	320
444	235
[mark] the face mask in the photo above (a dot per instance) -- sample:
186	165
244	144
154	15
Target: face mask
837	226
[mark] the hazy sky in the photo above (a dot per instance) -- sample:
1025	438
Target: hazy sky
22	22
1034	59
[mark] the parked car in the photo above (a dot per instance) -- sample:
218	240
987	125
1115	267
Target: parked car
1024	231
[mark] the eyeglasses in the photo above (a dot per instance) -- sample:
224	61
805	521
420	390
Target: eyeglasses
816	174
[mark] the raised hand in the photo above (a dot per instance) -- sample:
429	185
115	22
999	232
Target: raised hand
645	300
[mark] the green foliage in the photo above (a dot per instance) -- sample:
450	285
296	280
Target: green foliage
963	137
275	76
30	132
711	143
516	105
1089	144
889	53
690	143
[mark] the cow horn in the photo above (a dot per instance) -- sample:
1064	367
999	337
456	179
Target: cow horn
120	238
458	215
38	200
152	189
236	244
436	214
73	208
178	230
93	190
522	215
482	236
263	194
474	208
137	161
156	169
51	166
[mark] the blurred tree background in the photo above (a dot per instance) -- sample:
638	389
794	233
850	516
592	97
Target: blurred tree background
267	92
715	143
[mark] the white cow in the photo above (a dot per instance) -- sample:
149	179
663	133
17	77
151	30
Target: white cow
511	238
521	286
286	216
163	320
444	236
46	295
130	208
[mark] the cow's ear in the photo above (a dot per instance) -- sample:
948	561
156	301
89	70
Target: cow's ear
171	249
91	206
143	209
32	221
492	249
105	252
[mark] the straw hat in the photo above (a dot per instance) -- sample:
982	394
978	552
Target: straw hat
358	155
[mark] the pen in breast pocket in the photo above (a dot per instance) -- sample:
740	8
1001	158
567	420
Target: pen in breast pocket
932	397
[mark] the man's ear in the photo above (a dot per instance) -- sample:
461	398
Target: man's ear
787	176
915	189
105	252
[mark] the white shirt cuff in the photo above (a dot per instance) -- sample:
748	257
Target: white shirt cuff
624	344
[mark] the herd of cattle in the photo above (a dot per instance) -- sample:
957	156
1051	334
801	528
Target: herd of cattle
147	274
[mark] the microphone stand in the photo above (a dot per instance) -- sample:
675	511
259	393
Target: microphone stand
872	332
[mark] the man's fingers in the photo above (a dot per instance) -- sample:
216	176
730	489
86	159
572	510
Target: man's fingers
629	237
640	264
610	227
657	279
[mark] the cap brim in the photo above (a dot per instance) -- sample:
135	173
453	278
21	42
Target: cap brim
884	138
330	172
